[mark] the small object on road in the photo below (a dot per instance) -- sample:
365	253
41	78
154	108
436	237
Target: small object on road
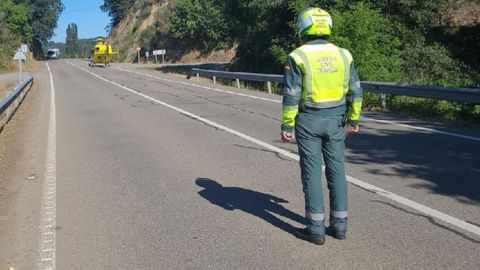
31	177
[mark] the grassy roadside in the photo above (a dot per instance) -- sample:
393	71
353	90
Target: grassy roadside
4	87
457	113
12	66
427	109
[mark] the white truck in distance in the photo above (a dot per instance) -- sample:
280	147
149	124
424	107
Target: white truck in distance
53	53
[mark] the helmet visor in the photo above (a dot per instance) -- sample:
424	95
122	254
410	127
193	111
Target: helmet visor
304	22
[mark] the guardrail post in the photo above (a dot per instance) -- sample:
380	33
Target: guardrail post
269	87
238	83
198	77
214	80
8	112
383	101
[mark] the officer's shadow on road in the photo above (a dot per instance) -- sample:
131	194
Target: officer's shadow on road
259	204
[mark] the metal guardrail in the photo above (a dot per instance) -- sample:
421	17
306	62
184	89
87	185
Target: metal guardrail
255	77
468	95
12	100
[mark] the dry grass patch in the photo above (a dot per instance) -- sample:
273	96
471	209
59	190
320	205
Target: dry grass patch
12	66
4	87
32	65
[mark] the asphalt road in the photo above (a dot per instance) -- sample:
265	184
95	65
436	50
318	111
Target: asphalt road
152	171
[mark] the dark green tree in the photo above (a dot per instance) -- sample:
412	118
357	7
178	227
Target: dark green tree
201	23
420	14
401	41
15	29
43	20
265	33
17	18
117	9
373	40
72	46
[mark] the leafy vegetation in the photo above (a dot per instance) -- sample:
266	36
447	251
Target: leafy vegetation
117	9
390	40
72	47
43	20
400	41
26	21
43	16
14	29
201	21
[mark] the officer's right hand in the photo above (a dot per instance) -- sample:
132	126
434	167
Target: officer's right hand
287	136
352	129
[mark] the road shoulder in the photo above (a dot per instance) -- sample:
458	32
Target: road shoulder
22	162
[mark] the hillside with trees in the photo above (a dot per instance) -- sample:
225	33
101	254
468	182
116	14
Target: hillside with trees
408	41
413	41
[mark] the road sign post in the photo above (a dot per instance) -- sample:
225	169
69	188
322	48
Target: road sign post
20	67
24	49
19	55
138	54
160	52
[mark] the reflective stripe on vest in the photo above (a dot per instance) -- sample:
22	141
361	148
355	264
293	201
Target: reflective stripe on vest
326	74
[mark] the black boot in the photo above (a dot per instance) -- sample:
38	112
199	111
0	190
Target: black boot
338	234
304	234
341	235
338	228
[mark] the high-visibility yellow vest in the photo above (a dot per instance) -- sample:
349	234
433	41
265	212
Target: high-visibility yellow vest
326	74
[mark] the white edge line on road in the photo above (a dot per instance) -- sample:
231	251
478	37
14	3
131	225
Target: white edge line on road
423	129
47	223
199	86
453	134
379	191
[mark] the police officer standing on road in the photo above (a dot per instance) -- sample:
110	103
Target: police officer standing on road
320	83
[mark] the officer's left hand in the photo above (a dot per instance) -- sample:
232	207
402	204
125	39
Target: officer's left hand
352	129
287	136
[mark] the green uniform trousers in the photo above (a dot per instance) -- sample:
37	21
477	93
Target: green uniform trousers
321	136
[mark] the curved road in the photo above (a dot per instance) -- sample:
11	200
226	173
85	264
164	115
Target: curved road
143	170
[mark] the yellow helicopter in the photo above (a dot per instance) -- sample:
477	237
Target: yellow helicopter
102	53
